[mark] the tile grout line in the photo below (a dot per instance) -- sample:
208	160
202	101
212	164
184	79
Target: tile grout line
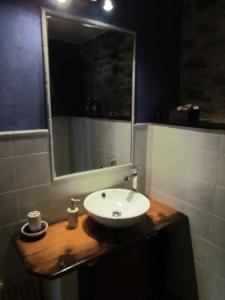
183	175
24	155
209	242
186	201
209	271
25	188
12	224
184	148
166	202
15	178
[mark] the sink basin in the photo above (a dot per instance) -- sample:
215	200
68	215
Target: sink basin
116	208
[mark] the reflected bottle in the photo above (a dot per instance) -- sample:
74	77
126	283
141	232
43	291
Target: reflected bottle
94	107
87	107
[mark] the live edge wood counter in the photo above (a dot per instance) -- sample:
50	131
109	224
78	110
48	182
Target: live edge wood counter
62	250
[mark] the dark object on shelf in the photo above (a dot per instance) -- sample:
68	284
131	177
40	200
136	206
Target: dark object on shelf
184	116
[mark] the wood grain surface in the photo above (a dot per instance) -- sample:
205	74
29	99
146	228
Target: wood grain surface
61	249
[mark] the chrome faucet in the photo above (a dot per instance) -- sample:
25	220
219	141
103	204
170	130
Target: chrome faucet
134	177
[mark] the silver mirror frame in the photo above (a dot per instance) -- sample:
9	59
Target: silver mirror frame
44	13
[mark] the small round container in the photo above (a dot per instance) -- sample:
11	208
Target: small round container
34	218
25	230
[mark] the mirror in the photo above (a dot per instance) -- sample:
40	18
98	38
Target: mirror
90	75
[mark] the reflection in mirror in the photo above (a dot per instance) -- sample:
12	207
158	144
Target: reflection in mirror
91	67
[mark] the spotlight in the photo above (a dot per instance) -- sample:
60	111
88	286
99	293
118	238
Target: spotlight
108	5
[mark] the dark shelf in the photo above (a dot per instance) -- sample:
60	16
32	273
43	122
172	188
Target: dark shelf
199	125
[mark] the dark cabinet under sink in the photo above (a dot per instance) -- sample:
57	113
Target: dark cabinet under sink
160	267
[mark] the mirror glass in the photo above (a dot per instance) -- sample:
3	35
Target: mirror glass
91	93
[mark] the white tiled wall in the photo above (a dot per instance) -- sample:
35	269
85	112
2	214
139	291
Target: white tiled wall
89	143
185	168
62	154
97	140
140	147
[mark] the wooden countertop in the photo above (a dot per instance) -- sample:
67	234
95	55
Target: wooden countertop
63	249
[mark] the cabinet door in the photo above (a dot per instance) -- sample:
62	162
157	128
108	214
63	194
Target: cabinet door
122	275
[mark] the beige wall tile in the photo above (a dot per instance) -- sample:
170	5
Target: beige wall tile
5	147
202	296
157	133
30	145
201	249
175	185
155	155
199	221
60	194
223	143
216	260
166	199
217	232
7	175
140	148
201	194
179	137
62	153
34	199
155	178
174	203
215	286
219	204
221	177
204	166
32	170
176	159
210	284
8	208
206	140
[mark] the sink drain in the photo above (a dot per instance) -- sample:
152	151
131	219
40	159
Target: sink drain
116	213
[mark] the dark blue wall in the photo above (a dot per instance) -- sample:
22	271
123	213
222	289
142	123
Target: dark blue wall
158	57
158	26
21	69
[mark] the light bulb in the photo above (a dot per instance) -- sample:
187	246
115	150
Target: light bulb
108	5
62	1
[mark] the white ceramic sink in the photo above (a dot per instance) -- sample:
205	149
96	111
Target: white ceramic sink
117	208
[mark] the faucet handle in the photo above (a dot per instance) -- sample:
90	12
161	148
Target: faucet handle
127	178
73	202
135	169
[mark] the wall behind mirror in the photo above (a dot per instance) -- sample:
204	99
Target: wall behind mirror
203	60
202	69
91	75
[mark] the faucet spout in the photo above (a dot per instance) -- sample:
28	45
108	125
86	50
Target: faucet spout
134	177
